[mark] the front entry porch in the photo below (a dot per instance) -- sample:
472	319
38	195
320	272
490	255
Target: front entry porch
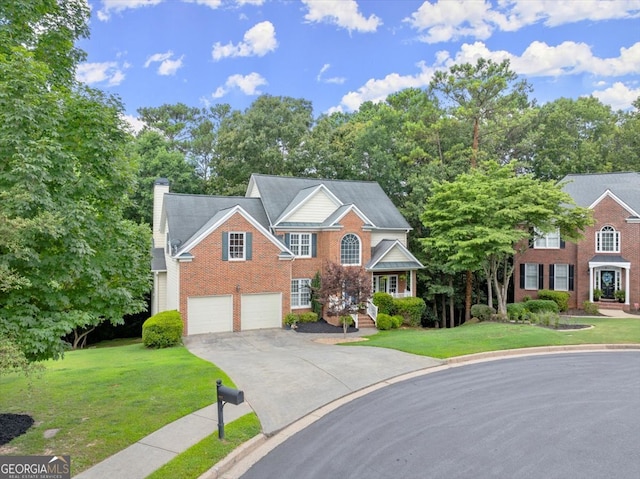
607	274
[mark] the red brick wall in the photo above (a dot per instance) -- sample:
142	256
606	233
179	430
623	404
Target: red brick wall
607	212
208	274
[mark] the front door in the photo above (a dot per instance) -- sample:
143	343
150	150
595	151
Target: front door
608	284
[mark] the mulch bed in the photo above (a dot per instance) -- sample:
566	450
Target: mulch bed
13	425
321	326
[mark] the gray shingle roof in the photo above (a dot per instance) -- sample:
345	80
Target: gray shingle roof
585	189
278	192
187	214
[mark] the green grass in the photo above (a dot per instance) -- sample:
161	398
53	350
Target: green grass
481	337
105	399
198	459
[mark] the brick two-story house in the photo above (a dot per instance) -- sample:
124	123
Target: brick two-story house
239	263
606	259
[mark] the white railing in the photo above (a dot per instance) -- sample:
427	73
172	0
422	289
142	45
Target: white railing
372	311
355	319
405	294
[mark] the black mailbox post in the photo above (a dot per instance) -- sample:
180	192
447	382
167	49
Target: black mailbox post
226	395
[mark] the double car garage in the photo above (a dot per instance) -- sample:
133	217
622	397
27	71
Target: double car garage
214	314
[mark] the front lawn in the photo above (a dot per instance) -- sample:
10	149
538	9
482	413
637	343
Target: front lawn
103	400
476	338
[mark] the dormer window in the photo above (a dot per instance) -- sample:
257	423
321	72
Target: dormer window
608	240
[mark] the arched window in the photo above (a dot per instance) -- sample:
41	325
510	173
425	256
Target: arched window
350	249
608	240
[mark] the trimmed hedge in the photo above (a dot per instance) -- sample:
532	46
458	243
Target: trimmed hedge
308	317
540	305
411	309
384	322
384	302
516	311
482	311
560	297
396	321
162	330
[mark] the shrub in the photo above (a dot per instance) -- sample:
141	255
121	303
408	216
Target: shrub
411	309
548	318
396	321
539	305
560	297
162	330
384	322
516	311
482	311
291	318
308	317
526	298
590	308
384	302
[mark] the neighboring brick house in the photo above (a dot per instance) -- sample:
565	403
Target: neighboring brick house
606	259
239	263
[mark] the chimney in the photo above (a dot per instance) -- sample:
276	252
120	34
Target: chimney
160	187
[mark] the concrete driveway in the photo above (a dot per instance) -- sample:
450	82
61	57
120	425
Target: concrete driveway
286	375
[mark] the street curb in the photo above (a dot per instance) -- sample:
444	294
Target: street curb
241	459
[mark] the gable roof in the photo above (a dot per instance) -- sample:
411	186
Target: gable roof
278	194
383	248
187	215
587	190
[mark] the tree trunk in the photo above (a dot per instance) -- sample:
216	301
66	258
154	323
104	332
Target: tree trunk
444	311
451	305
467	296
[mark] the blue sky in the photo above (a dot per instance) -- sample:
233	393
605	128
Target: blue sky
340	53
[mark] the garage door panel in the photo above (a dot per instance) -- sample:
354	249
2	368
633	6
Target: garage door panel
209	314
261	311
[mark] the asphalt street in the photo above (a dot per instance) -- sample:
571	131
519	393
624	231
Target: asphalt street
551	416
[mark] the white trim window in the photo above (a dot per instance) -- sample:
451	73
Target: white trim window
300	293
608	240
386	284
300	244
530	276
350	250
237	246
547	240
561	277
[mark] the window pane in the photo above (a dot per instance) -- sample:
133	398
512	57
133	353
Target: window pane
236	245
530	276
350	249
561	280
300	293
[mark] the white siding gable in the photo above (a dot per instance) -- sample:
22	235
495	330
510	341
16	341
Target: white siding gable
316	209
377	236
253	193
394	255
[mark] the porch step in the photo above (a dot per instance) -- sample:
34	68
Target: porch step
610	304
364	321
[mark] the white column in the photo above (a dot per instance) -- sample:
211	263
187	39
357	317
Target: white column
626	285
590	284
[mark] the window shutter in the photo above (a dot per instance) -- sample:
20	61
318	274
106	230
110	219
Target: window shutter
571	273
522	275
540	276
248	239
287	239
531	237
314	245
562	243
551	276
225	246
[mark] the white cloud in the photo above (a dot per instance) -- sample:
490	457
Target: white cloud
619	96
447	20
247	84
117	6
136	124
108	73
377	90
168	66
335	80
257	41
343	13
208	3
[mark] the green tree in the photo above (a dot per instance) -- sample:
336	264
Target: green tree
479	220
72	260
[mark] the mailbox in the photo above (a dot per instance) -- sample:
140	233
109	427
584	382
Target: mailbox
226	395
230	395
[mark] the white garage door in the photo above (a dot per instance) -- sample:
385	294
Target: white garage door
209	314
261	311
